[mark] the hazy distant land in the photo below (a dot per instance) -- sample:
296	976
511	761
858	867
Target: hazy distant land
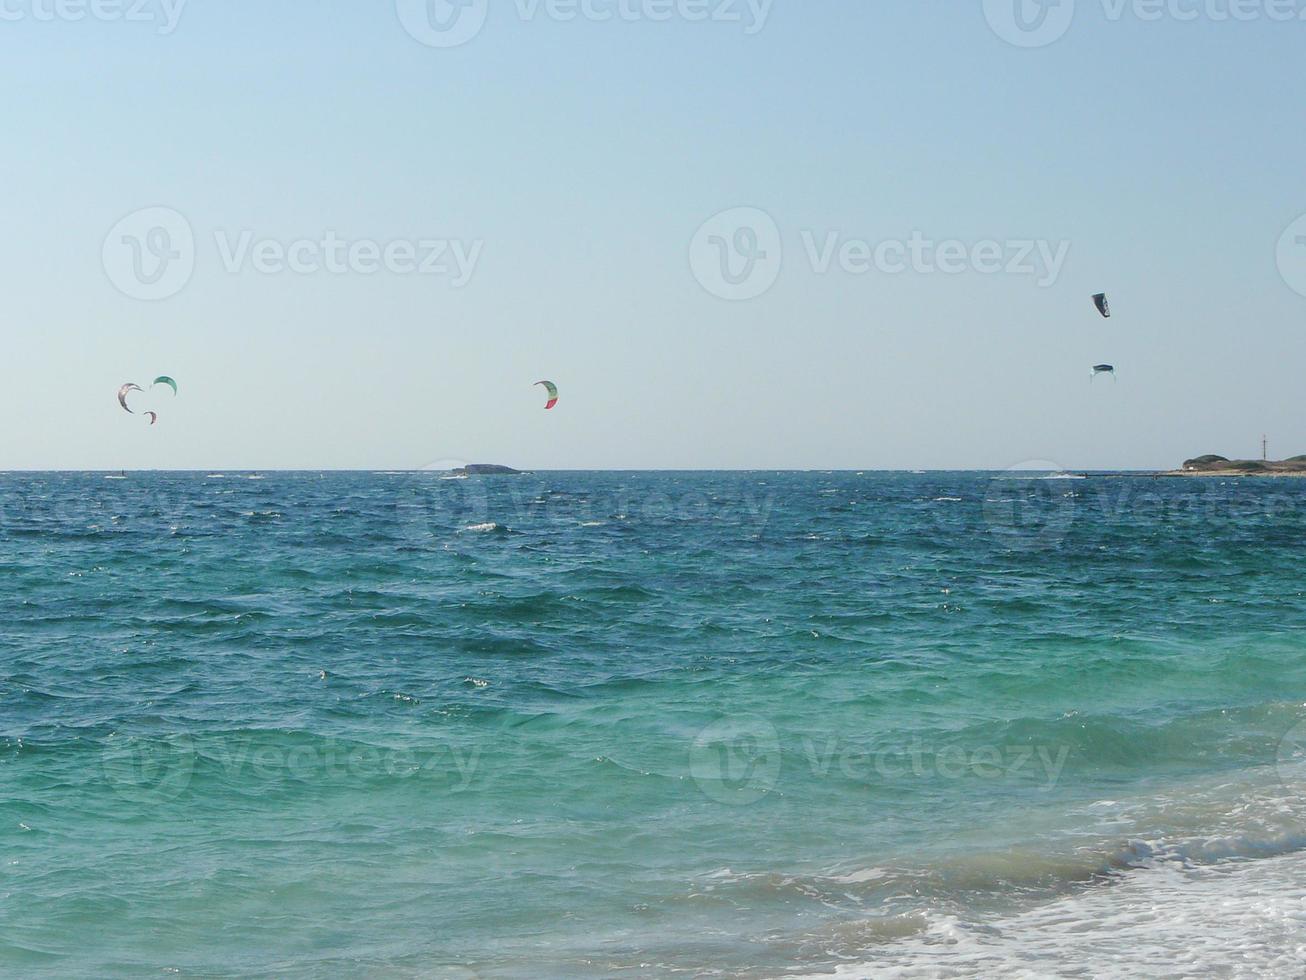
1212	465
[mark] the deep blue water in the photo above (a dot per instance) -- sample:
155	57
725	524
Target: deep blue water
597	724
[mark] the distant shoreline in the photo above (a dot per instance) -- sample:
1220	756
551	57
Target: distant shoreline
1213	465
316	471
1235	473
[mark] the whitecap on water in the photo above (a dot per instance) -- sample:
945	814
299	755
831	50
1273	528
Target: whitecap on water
1170	920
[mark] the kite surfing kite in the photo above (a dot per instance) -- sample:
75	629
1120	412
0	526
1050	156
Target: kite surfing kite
123	392
552	389
1103	307
128	388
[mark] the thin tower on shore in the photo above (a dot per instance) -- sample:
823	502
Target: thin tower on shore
1265	448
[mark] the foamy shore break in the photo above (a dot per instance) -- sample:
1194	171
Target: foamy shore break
1220	466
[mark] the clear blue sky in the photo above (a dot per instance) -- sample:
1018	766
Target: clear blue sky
584	156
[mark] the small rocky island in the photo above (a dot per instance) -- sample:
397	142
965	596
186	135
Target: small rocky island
485	469
1212	465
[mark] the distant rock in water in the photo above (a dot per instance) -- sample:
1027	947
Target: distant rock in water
486	469
1212	465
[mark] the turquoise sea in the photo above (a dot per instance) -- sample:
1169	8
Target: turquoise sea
651	724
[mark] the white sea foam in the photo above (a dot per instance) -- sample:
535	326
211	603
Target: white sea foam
1229	919
1218	888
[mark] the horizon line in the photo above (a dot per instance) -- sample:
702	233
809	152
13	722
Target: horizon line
784	469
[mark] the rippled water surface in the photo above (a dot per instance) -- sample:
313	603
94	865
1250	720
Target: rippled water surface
597	724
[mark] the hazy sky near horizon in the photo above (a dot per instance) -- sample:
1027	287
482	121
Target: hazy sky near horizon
568	163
